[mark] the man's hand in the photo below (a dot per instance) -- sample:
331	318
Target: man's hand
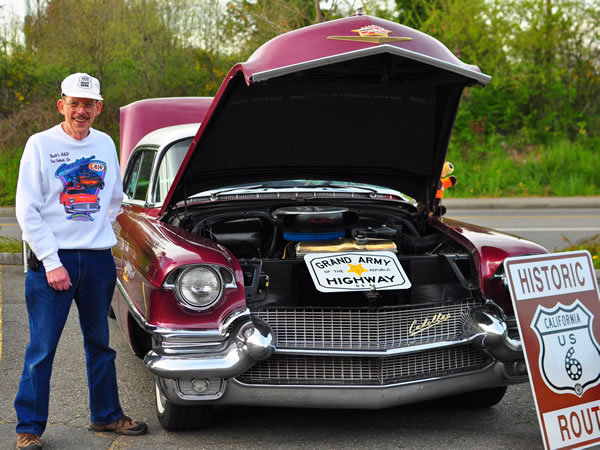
59	279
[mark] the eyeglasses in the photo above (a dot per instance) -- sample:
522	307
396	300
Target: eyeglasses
88	106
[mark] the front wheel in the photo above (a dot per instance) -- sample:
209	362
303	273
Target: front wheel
178	417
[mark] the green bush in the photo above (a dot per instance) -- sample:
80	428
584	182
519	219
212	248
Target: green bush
8	176
591	244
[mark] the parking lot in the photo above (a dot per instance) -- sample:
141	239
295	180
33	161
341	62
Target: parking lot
511	424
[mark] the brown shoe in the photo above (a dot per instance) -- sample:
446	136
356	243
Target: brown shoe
124	425
28	441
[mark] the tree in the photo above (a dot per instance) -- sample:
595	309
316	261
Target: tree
543	57
556	48
136	48
253	22
414	13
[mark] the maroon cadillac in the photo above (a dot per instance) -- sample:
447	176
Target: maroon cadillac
279	244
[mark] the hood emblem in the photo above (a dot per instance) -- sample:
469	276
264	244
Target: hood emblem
372	34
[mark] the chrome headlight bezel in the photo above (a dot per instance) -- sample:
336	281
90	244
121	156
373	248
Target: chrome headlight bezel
222	275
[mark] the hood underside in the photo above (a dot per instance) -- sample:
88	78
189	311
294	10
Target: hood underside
379	116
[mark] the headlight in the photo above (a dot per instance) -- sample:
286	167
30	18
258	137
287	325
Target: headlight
198	287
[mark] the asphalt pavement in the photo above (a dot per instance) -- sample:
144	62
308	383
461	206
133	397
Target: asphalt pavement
511	424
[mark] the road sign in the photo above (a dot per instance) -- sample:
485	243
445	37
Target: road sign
557	305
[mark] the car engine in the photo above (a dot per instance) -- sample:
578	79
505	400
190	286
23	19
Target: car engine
271	241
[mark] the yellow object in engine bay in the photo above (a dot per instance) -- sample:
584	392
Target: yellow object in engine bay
345	245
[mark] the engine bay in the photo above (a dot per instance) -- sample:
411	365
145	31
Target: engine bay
272	240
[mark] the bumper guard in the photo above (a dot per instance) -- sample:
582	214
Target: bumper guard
252	342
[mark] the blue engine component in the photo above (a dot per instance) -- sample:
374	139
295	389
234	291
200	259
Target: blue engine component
298	236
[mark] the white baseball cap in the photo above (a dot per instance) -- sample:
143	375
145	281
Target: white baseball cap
81	85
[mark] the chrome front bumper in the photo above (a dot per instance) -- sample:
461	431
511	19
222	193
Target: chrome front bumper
233	392
177	361
251	342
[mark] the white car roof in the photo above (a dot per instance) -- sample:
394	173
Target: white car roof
167	135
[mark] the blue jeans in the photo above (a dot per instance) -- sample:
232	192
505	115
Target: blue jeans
93	275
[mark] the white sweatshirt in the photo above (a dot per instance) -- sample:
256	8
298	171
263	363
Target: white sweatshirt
68	194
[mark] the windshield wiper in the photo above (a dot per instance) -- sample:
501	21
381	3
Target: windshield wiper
216	195
372	192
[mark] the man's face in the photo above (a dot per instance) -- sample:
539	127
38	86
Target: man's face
79	115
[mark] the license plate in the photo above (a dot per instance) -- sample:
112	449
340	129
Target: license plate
356	271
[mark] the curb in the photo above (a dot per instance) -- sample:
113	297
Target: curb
11	258
7	211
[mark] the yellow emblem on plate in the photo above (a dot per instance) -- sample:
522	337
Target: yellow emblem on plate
358	269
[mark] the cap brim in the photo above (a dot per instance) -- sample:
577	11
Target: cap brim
82	94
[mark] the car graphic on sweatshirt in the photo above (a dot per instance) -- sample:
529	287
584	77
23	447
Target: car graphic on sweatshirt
82	179
77	200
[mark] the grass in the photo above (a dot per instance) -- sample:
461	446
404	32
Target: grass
590	244
492	167
502	167
8	175
10	245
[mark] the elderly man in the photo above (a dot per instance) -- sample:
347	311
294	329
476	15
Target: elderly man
68	194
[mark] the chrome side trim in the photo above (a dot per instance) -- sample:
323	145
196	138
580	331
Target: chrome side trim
384	48
171	334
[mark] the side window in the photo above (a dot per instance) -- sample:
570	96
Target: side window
169	165
131	175
137	181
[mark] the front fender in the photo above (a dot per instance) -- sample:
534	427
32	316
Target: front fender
149	251
489	249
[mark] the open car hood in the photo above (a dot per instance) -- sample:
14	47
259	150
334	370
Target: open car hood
356	99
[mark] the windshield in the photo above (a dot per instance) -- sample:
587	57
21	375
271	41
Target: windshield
168	167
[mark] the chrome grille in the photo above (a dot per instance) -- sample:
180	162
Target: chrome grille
363	328
323	370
